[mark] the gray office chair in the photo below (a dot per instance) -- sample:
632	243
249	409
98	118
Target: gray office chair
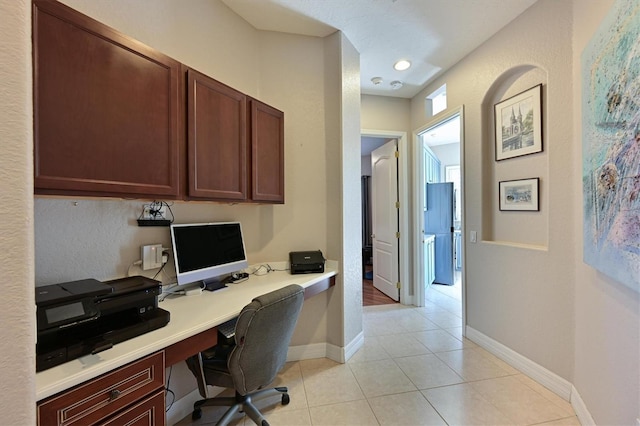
262	335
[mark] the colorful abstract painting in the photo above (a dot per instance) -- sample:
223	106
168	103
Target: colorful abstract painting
611	145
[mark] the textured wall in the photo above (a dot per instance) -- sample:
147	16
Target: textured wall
351	194
607	320
77	238
16	183
521	296
385	113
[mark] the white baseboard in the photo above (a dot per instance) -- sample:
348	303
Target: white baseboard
353	346
314	350
326	350
548	379
581	409
182	407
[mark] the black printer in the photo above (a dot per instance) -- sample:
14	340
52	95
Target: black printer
306	262
88	316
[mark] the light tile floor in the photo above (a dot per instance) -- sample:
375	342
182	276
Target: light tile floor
414	368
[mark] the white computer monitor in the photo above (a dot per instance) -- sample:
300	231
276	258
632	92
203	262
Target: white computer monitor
204	252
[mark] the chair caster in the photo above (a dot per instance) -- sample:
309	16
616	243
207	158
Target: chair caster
285	399
197	413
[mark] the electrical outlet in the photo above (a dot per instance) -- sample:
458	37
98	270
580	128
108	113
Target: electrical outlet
154	212
151	256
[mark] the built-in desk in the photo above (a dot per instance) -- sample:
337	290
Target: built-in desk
191	328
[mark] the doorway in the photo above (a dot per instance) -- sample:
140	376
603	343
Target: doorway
438	159
370	140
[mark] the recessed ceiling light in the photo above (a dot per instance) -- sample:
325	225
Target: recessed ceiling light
402	65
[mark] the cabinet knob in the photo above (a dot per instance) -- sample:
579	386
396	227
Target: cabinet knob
114	394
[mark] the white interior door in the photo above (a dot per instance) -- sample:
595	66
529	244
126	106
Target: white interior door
384	195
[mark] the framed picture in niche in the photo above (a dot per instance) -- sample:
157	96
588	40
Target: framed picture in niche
518	123
519	195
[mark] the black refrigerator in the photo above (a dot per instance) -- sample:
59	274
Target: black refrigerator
438	220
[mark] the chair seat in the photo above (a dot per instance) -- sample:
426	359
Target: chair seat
262	335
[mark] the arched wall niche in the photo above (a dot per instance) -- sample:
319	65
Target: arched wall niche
521	228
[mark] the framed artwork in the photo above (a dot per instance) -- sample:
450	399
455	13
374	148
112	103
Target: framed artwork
519	195
519	124
610	72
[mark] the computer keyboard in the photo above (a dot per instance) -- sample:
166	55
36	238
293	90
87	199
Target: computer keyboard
228	329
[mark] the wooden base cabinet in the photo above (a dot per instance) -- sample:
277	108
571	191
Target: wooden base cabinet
131	395
149	411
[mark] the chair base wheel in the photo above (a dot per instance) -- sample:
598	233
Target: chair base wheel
197	413
285	399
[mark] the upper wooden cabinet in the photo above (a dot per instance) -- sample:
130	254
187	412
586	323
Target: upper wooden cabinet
235	145
110	119
106	109
217	139
267	153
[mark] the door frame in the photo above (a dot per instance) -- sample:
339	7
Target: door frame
418	197
403	196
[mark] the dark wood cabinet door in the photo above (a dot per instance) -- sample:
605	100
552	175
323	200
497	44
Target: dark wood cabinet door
106	109
149	411
267	153
98	399
217	139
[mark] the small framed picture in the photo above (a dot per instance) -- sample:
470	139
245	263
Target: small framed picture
519	195
519	124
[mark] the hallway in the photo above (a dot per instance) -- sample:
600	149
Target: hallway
413	369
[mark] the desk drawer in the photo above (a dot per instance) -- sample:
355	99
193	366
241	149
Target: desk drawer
97	399
149	411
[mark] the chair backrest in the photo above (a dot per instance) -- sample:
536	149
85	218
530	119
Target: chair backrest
263	333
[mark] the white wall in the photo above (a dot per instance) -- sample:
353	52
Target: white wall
385	113
540	299
448	154
607	314
17	405
99	238
519	292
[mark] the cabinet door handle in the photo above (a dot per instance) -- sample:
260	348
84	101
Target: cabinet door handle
113	395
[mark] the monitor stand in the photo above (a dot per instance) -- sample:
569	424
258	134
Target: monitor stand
212	284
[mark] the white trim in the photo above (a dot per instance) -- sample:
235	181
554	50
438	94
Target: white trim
581	409
314	350
403	195
326	350
352	347
418	196
548	379
182	407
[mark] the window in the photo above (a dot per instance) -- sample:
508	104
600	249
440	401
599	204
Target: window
436	101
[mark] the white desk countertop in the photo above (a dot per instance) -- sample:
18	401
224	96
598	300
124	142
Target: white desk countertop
190	315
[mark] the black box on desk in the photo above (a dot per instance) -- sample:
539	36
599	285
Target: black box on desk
306	262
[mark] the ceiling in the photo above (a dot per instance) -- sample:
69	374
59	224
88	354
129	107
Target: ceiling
432	34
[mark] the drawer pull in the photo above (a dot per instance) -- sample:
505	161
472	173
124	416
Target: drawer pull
113	395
